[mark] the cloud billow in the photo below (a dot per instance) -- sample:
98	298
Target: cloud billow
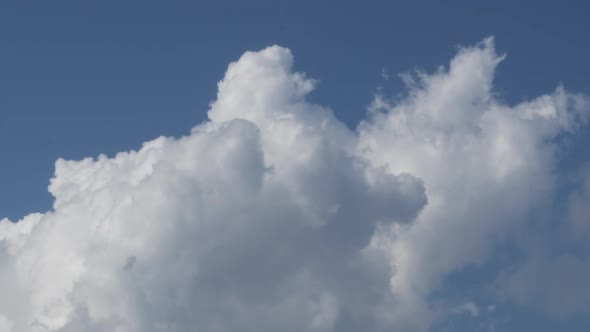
275	216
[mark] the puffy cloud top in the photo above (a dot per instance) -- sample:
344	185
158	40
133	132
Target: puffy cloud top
274	216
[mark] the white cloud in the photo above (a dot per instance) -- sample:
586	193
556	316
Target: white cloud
5	324
468	307
486	167
253	222
275	216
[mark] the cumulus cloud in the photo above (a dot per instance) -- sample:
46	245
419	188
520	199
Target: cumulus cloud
487	168
253	222
273	215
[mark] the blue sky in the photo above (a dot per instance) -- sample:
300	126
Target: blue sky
82	79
